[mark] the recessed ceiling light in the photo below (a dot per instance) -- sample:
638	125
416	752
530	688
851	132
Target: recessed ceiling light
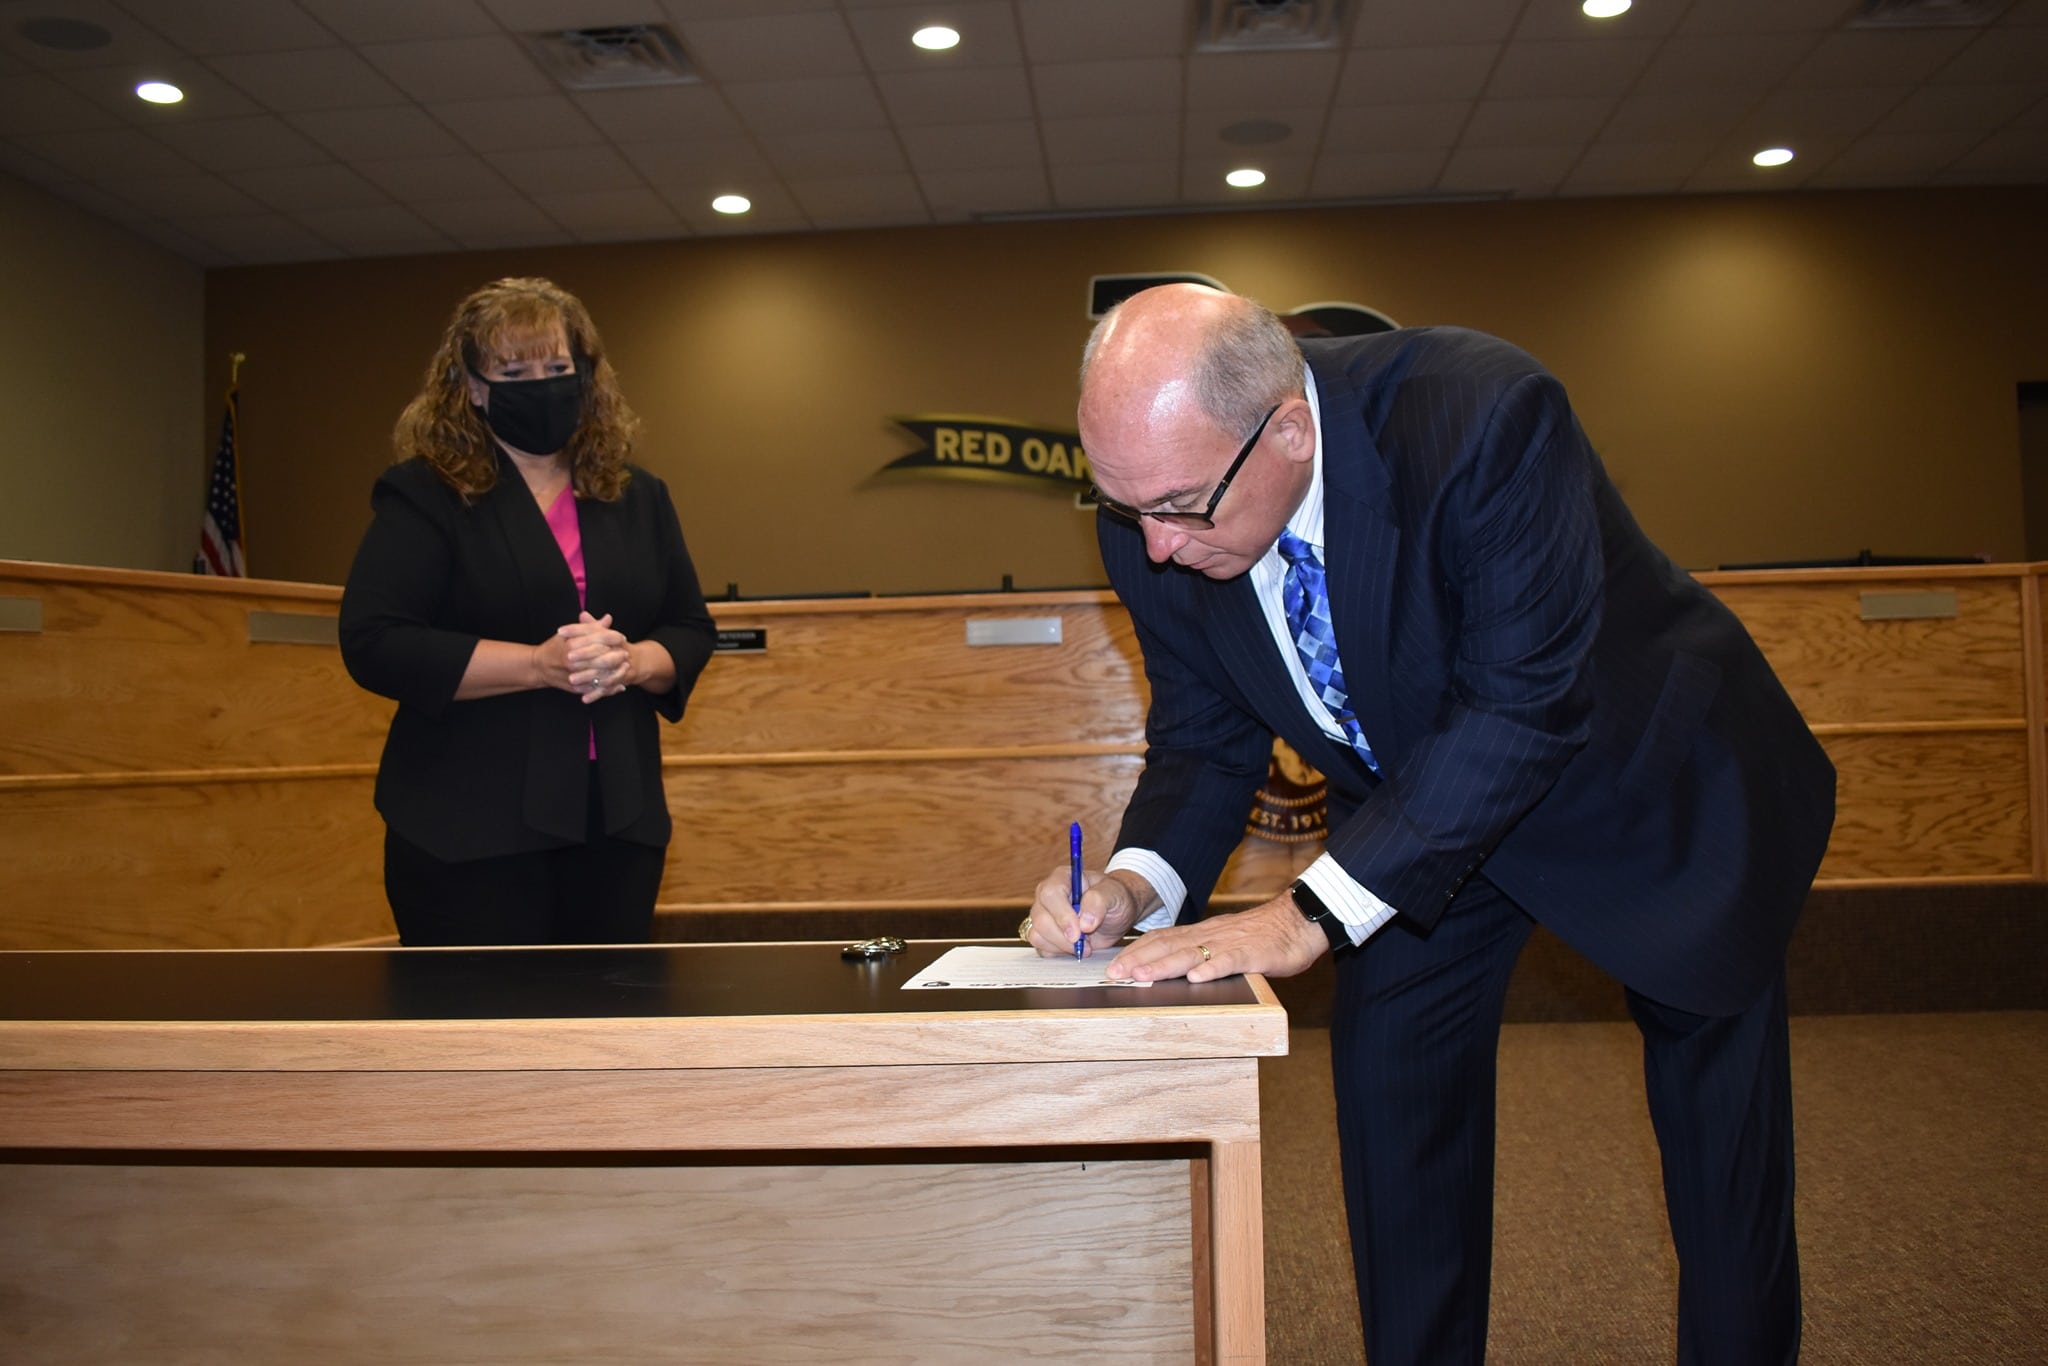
937	38
1773	156
159	92
732	203
1605	9
1245	178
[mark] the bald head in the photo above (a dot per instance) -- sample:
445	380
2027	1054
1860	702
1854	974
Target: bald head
1178	356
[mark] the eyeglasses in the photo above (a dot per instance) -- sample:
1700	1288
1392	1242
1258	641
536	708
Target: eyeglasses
1206	518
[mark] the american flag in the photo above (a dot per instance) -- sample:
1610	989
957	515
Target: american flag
220	536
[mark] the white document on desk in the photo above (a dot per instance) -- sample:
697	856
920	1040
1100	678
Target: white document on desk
978	967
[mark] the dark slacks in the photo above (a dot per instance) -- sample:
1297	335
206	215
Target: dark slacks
599	892
1414	1036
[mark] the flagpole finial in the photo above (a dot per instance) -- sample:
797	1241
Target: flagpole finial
235	369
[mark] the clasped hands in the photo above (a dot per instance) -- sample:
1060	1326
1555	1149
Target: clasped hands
587	657
1273	938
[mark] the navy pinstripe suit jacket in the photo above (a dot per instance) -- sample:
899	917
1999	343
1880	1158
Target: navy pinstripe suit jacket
1555	706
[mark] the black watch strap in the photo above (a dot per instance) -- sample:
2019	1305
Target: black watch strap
1313	909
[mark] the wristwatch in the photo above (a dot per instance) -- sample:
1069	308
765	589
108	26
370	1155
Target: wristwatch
1316	913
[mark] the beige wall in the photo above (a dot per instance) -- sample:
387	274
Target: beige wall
103	432
1769	377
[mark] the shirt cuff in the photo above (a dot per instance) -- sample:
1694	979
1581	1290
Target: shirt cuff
1173	893
1361	911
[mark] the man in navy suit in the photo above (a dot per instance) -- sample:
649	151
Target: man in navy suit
1400	553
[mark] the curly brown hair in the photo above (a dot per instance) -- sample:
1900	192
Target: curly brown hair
515	319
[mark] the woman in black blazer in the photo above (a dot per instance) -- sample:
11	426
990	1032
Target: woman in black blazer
525	596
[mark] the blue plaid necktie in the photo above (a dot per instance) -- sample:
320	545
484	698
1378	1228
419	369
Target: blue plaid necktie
1306	598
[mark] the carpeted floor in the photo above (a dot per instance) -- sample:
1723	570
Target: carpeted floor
1923	1197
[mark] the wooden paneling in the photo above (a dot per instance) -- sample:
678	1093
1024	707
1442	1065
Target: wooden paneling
1929	806
1842	669
175	785
899	1262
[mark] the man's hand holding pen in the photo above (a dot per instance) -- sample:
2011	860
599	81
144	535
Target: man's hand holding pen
1110	904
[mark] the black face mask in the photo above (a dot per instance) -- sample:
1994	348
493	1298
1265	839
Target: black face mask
536	416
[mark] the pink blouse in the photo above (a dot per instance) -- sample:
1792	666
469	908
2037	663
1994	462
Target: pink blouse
562	520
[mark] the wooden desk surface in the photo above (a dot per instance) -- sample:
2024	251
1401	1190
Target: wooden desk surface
712	1005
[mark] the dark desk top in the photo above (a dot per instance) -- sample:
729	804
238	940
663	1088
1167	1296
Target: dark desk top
228	986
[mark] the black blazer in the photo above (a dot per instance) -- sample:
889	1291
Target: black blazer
501	775
1554	705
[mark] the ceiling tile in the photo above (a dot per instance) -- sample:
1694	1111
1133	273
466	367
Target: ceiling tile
959	194
1415	75
424	180
772	47
1544	70
774	210
133	43
107	154
459	68
2000	56
183	196
658	112
2014	153
1566	22
1535	124
1764	16
95	200
509	221
694	161
1518	171
860	201
385	133
511	125
1203	130
1893	159
1789	115
1089	31
395	21
243	144
683	11
183	243
1396	127
1116	184
1403	23
319	78
207	95
973	146
633	213
26	165
988	37
208	27
1138	85
561	170
1753	61
1228	80
1142	138
43	104
305	189
1935	108
1377	175
798	106
1678	116
969	95
257	238
375	230
1877	57
552	16
1635	167
865	152
1287	177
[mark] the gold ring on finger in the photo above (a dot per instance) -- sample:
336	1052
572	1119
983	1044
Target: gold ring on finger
1024	929
1203	949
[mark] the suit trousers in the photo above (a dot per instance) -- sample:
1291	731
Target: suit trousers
598	892
1414	1036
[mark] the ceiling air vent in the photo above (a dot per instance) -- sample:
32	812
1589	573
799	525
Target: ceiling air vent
1928	13
1267	25
612	58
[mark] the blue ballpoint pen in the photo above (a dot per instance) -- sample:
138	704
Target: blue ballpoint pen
1074	888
